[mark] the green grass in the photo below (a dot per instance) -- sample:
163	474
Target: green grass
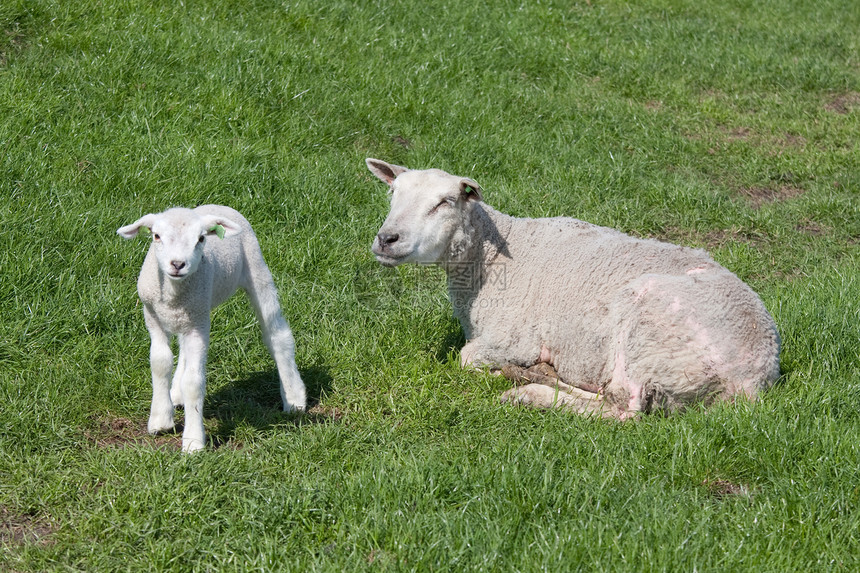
726	125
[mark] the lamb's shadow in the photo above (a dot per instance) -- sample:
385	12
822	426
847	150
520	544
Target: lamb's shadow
255	402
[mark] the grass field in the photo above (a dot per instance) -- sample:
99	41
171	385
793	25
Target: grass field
729	125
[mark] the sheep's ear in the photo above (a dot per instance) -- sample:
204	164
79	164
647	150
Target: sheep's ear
385	171
222	227
142	225
470	190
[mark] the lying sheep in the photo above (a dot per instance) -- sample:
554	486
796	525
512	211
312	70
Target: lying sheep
197	260
629	325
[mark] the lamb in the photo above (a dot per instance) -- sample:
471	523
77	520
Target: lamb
197	260
598	322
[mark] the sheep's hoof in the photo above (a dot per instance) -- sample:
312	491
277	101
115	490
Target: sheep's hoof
512	372
514	396
540	373
545	369
536	395
544	373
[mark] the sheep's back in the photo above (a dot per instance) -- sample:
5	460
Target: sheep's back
561	279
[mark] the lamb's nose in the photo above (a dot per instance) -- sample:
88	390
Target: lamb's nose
178	265
387	239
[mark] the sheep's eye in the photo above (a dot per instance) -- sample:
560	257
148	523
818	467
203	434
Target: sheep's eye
201	239
156	237
442	204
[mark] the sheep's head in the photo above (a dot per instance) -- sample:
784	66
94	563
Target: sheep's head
426	220
178	237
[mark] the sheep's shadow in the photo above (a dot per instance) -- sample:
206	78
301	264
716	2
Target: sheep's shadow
255	402
449	347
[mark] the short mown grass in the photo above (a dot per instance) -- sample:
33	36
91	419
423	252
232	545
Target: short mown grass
731	126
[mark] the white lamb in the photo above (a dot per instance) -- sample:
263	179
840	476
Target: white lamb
197	260
629	325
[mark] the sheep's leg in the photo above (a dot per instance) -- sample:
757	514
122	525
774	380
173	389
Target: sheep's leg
543	373
193	346
541	396
534	375
475	354
161	363
546	369
277	335
467	355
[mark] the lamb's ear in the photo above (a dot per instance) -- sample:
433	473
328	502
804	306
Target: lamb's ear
143	224
221	226
385	171
470	189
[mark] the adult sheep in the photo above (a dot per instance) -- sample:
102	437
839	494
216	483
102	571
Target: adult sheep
197	260
629	325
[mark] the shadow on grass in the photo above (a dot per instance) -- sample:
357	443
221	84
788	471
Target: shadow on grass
250	403
452	343
255	402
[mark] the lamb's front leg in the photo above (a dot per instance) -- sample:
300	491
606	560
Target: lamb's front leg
161	364
176	385
194	347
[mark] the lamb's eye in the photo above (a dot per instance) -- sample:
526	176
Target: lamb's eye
156	237
201	239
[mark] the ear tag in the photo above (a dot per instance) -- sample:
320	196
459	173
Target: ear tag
218	230
145	231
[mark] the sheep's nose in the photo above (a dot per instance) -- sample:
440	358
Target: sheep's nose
387	239
178	265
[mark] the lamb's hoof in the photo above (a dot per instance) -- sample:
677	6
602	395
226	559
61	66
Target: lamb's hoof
192	445
160	425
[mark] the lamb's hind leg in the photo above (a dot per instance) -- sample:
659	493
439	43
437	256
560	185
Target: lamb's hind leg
276	334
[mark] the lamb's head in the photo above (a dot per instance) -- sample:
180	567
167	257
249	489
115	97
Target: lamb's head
178	236
427	216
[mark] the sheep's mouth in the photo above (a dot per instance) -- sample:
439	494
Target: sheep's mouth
177	275
388	260
386	257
